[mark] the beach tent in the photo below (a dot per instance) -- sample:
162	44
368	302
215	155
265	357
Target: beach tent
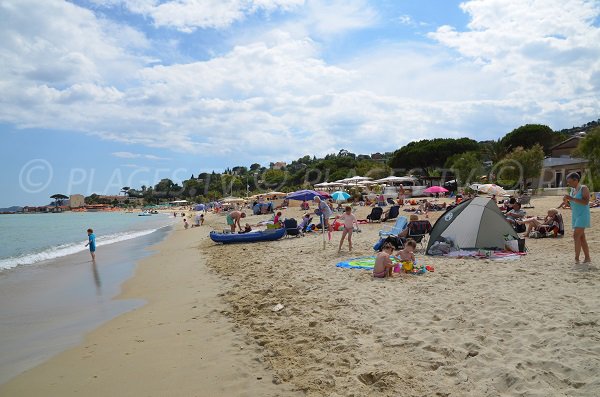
473	224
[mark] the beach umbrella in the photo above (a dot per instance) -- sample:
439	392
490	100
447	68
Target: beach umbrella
394	179
231	199
199	207
354	180
323	194
340	196
275	194
304	195
490	188
435	189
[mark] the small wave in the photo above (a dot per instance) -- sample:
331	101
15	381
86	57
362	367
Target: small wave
68	249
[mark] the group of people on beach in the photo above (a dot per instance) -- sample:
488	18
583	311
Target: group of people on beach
578	201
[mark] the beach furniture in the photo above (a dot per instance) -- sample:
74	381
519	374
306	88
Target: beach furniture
291	227
395	230
375	214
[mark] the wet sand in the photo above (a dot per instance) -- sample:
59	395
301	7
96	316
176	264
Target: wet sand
49	306
179	343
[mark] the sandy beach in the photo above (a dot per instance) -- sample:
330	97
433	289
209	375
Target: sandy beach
527	327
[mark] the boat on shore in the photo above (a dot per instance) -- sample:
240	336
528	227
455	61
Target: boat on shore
250	237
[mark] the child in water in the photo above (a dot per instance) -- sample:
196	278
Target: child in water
92	243
383	264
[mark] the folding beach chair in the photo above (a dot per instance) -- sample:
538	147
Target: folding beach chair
525	201
375	214
418	231
395	230
392	213
291	227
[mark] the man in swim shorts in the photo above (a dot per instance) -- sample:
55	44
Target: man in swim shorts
233	219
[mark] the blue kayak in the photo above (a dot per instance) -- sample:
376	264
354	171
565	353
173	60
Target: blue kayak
250	237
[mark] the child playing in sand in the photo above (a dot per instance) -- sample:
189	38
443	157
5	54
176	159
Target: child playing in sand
92	243
383	264
277	219
349	221
408	253
185	223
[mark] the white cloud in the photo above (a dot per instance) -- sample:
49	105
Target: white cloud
189	15
273	96
130	155
546	49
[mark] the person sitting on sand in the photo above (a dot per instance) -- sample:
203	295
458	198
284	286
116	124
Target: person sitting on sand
305	223
233	219
383	264
515	214
408	253
277	219
542	225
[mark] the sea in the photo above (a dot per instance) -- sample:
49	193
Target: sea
51	293
27	239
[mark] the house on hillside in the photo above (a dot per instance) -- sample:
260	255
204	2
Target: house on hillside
561	163
76	201
278	165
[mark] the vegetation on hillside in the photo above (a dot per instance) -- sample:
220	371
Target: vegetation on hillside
512	161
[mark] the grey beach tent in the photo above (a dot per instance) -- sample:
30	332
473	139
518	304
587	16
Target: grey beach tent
473	224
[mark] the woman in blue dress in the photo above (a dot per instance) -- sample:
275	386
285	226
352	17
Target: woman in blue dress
579	199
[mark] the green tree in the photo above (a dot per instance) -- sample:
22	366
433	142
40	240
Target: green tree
522	164
528	135
274	178
254	167
430	153
495	151
167	186
467	167
58	199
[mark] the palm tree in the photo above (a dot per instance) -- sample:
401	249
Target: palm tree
58	198
125	189
495	151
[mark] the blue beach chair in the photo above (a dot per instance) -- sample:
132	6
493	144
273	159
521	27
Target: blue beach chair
395	230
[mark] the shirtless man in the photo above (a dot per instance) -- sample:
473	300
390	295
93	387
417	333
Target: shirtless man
233	219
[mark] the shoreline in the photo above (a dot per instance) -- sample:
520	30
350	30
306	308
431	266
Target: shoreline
178	340
49	306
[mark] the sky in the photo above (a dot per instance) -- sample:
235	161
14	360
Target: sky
100	94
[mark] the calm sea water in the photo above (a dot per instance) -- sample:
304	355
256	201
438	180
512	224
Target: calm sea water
27	239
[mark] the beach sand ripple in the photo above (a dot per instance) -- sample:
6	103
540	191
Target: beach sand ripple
471	328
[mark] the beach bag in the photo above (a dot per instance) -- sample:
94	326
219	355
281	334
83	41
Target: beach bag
535	234
512	245
379	244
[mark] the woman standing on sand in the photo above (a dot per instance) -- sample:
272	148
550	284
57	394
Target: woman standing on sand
579	199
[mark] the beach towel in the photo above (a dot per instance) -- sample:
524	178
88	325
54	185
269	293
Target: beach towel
363	262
